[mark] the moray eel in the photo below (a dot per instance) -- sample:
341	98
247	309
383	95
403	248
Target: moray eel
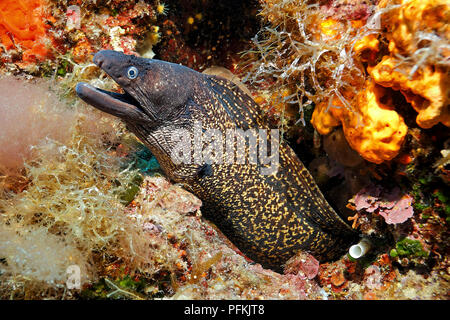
268	217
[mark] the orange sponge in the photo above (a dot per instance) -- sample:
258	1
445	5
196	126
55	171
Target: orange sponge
427	90
22	27
371	125
418	35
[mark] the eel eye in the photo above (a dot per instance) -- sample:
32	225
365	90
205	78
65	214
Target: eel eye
132	73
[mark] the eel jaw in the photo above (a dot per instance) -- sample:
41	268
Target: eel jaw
120	105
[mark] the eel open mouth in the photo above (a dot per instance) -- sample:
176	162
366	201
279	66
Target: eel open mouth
121	105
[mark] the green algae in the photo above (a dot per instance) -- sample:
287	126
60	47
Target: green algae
131	189
123	288
408	248
430	193
126	287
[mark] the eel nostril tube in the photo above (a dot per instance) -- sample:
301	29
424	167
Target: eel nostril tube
360	249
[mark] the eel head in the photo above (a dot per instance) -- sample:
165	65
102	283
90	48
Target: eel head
154	91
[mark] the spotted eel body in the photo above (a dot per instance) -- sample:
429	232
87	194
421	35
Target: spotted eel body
268	217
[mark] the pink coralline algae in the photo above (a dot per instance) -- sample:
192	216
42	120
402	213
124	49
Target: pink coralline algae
400	212
350	10
391	205
302	264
